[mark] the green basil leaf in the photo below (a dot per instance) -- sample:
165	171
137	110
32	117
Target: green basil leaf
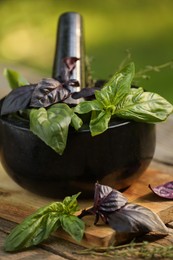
144	107
76	122
38	226
73	226
52	125
15	79
71	204
99	122
106	99
35	228
117	87
87	106
105	96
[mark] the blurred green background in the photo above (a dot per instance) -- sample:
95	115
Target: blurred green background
144	27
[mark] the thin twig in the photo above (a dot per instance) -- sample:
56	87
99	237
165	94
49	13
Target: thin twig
143	250
143	73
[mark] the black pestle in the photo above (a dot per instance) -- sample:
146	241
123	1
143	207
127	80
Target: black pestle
70	43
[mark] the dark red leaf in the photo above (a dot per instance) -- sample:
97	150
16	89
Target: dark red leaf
137	220
47	92
124	217
70	62
164	190
73	83
107	199
84	93
17	99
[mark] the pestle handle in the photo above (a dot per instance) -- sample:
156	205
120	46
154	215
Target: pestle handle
70	43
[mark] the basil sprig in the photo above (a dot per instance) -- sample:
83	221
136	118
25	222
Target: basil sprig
51	125
38	226
126	218
118	99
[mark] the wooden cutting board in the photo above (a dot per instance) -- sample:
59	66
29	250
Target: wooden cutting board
16	204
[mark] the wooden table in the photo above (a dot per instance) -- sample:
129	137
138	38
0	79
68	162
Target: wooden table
59	248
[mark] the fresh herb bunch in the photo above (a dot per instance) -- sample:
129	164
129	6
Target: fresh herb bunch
50	117
38	226
113	208
109	204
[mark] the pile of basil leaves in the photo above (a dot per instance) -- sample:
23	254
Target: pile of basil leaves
50	116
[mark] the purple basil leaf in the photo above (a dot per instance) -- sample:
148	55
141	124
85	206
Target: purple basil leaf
73	83
84	93
17	99
137	220
47	92
67	66
164	190
70	63
100	83
107	199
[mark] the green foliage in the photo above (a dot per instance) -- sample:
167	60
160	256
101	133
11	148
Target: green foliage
52	125
15	79
143	107
118	99
38	226
73	226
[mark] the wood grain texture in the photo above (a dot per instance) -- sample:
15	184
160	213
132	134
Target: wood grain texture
34	253
16	204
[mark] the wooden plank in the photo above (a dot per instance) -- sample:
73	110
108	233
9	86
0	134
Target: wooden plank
54	245
34	253
16	204
144	197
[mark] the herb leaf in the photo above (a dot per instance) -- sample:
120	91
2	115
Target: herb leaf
87	106
117	87
124	217
38	226
68	65
118	99
107	199
84	92
115	99
106	100
73	226
52	125
35	228
47	92
99	122
164	190
70	203
17	99
136	219
143	106
15	79
76	122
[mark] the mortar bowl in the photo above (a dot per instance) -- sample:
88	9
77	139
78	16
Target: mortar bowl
116	158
